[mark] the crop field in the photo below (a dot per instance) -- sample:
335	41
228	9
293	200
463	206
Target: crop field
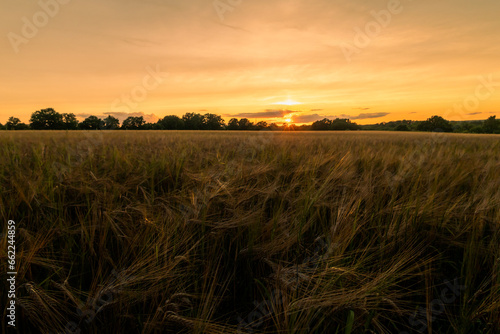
251	232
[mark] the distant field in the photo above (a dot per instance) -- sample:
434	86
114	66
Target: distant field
252	232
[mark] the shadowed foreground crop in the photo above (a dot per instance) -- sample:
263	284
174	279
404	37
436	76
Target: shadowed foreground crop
205	232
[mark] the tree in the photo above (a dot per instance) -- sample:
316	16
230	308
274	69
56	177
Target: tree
193	121
435	124
402	127
2	127
92	123
322	125
46	119
70	121
213	122
274	127
14	123
233	124
492	125
148	126
133	123
245	124
171	122
261	125
338	124
343	124
111	123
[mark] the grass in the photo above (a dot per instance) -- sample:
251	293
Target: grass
219	232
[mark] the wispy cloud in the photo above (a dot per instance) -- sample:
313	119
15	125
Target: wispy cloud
269	113
316	117
310	118
368	115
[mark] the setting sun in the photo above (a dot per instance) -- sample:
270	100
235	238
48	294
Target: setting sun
288	102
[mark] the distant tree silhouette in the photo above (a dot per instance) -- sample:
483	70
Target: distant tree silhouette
2	127
492	125
14	123
322	125
338	124
245	124
193	121
133	123
111	123
47	119
92	123
274	127
261	126
70	122
343	124
171	122
213	122
233	124
149	126
435	124
402	127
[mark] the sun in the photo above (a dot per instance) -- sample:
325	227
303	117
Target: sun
288	118
288	102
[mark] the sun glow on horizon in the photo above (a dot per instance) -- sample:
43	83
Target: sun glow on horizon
288	102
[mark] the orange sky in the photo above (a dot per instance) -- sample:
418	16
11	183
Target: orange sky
252	59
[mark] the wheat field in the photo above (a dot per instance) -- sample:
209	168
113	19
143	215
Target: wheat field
252	232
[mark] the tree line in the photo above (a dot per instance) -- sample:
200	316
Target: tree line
439	124
49	119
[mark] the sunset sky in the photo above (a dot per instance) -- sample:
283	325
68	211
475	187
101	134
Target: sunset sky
264	60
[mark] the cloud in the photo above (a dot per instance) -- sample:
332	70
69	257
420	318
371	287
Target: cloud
361	108
313	110
317	117
310	118
474	113
149	118
368	115
269	113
